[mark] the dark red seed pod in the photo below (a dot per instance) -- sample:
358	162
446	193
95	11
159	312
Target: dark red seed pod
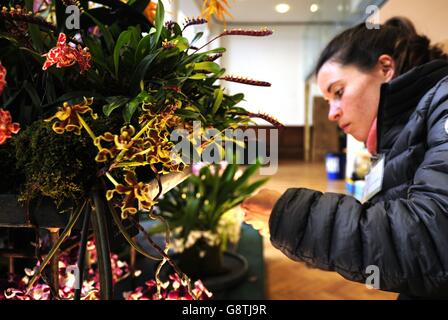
213	57
263	116
247	81
22	15
193	21
169	25
251	33
267	118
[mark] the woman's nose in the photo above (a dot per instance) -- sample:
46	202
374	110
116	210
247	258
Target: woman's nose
335	112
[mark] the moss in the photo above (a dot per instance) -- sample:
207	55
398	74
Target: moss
56	166
59	166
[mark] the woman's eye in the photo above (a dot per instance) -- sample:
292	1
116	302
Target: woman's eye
339	93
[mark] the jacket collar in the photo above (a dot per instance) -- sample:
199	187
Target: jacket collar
400	97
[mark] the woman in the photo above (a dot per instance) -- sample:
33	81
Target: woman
388	88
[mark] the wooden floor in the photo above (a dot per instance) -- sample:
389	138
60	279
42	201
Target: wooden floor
290	280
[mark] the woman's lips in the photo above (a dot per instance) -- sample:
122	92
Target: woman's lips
344	127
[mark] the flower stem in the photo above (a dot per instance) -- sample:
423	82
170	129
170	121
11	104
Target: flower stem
131	164
112	179
86	126
121	154
126	235
56	246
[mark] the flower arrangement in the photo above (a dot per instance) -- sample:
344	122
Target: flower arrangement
96	105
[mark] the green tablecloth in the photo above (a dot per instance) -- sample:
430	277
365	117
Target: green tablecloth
253	287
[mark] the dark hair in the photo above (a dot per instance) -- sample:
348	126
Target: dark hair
397	37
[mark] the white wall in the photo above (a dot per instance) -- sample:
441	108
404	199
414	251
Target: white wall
284	59
274	59
429	16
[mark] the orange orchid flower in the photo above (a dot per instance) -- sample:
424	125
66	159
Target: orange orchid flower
150	11
2	78
7	127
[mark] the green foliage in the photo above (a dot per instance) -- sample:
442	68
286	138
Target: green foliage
11	177
200	201
126	61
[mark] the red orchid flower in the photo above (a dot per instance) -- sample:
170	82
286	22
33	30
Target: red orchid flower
64	55
6	126
2	78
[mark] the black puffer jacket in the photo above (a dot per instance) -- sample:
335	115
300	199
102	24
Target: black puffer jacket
403	230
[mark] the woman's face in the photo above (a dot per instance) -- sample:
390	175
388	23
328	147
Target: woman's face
353	95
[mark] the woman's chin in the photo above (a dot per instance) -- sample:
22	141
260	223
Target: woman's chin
358	136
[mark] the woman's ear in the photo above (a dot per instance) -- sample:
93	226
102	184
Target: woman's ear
386	65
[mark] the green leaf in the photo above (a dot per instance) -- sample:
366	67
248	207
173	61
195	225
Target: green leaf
34	29
104	30
187	114
160	14
7	36
198	76
250	170
182	44
114	103
33	94
132	105
201	56
213	51
229	172
40	60
123	39
140	70
205	66
94	48
237	98
197	37
130	109
218	94
142	48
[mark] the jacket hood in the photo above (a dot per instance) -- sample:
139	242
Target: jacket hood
400	97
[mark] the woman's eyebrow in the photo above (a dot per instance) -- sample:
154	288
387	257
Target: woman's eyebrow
330	86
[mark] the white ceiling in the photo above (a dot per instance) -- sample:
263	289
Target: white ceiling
252	11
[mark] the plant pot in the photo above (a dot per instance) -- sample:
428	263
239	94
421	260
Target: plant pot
40	212
202	260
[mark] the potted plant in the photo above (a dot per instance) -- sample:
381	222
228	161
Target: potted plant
202	214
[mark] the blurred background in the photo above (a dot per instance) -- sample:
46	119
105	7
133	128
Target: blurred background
313	152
